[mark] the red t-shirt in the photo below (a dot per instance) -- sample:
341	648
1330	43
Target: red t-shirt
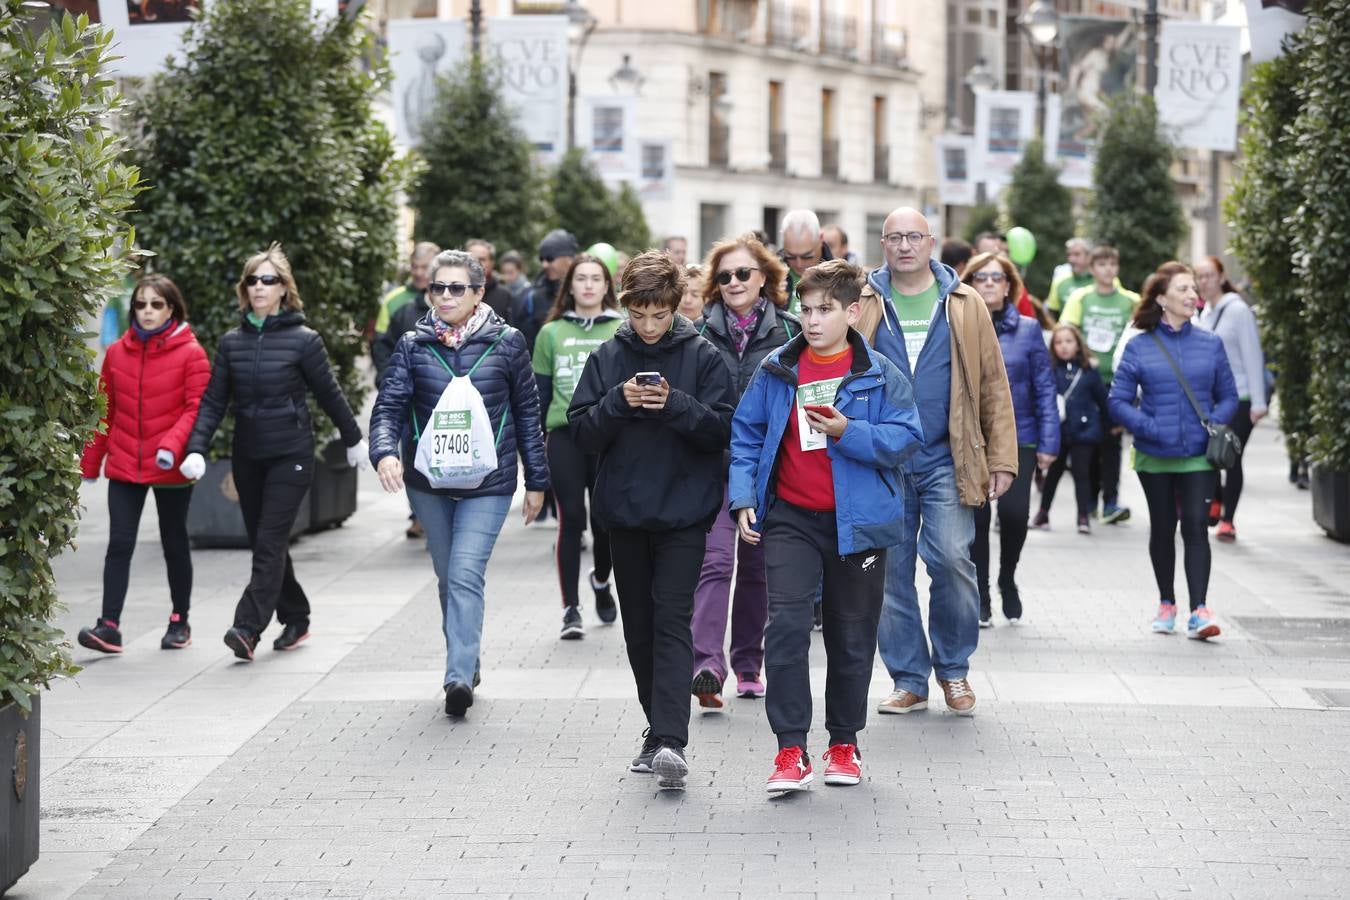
805	477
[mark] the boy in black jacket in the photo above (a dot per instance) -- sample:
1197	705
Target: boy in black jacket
660	438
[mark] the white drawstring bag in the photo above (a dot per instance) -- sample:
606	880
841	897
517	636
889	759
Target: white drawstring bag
458	449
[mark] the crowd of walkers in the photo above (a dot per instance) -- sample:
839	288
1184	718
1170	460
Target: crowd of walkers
766	442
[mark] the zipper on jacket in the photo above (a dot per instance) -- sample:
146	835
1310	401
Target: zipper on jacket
140	410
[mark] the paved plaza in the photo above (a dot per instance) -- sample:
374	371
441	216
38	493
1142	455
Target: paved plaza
1103	761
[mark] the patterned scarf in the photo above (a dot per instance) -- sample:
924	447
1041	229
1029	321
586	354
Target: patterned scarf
454	336
741	327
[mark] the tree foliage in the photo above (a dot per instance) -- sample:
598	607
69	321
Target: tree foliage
1321	224
478	179
265	131
62	231
584	205
983	217
1039	203
1134	205
1261	211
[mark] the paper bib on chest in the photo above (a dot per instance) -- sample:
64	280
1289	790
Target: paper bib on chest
817	393
457	449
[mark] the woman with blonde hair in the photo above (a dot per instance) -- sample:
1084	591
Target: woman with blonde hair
265	369
745	317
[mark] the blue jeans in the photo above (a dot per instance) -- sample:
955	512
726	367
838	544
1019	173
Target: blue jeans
953	600
460	537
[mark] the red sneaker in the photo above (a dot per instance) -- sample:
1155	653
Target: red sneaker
1215	511
1226	533
845	764
791	771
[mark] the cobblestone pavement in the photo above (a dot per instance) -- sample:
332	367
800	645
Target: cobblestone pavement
1103	760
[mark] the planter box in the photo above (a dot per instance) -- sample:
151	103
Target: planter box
1331	501
19	803
332	497
214	519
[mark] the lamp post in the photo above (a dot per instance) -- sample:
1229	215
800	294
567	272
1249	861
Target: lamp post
1040	23
580	24
980	79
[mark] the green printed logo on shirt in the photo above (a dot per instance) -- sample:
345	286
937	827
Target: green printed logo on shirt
915	312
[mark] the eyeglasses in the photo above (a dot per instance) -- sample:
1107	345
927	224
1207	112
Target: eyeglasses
742	274
896	238
455	288
268	280
547	259
800	257
155	304
991	277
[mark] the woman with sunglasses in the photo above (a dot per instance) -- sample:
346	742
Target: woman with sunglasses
460	337
153	378
1032	381
265	369
745	317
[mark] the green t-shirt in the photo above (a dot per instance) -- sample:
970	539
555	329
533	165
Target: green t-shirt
1102	319
560	353
1171	465
915	312
794	302
1064	286
393	301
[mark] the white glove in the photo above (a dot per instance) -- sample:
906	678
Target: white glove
193	467
358	456
164	459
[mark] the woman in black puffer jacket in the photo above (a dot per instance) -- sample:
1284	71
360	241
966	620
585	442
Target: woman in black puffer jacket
264	372
463	336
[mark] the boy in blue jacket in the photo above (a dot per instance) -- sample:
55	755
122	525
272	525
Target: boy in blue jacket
815	445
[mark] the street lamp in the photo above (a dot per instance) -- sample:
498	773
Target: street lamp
979	79
1040	23
627	76
580	24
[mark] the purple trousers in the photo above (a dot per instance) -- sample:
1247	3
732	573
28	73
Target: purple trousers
724	554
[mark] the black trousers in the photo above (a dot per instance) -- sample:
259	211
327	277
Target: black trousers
125	503
1013	509
1230	482
1106	470
573	474
1077	458
657	572
801	558
1183	496
270	494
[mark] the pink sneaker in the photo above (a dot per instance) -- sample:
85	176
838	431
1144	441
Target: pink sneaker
749	685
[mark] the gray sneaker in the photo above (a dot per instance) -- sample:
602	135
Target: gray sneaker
670	768
643	761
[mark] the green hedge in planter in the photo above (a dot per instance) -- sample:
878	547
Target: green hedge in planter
1322	224
265	130
61	237
1261	215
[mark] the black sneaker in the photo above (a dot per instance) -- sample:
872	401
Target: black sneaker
178	635
242	642
986	613
571	627
1012	601
458	698
646	753
103	637
707	687
291	636
818	622
672	772
477	676
605	609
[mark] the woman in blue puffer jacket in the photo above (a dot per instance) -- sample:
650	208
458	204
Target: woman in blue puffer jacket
460	337
1169	438
1033	393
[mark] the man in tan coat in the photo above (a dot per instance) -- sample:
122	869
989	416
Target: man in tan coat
938	331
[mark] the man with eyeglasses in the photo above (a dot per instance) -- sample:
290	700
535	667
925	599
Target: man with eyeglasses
938	331
801	245
531	309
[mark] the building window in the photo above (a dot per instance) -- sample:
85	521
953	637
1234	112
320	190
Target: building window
719	129
777	134
881	153
712	225
829	139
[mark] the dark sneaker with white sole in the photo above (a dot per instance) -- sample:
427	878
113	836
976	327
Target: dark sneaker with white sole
103	637
672	772
572	629
606	610
242	642
646	753
707	687
291	636
178	635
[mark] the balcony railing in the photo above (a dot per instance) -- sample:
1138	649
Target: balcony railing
829	157
890	49
840	35
881	163
778	151
789	25
719	145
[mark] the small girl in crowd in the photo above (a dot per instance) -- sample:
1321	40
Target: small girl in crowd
1083	421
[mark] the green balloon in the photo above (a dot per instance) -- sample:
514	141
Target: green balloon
607	255
1021	245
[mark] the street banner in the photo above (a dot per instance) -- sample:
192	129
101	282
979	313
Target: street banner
532	54
1075	159
956	184
658	170
608	131
1199	79
1005	121
1098	60
1269	22
420	51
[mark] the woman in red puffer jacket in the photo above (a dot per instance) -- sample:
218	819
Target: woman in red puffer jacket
154	378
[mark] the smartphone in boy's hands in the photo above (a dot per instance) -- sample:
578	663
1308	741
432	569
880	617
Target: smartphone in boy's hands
825	412
648	379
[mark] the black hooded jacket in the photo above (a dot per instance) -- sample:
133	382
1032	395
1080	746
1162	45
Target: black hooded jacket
660	470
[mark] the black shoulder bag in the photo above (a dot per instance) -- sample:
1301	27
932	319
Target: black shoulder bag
1224	449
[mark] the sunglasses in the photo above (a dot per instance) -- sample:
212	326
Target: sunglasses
547	259
268	280
455	288
155	304
992	277
742	274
